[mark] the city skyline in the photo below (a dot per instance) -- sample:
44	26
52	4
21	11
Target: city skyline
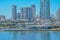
5	6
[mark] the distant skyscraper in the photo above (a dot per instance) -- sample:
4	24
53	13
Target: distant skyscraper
33	11
58	15
14	12
18	16
23	15
45	9
27	13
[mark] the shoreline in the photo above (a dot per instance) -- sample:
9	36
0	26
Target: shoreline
18	29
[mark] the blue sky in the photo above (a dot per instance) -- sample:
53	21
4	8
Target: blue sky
5	6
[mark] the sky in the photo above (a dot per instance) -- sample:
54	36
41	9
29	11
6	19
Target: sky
6	6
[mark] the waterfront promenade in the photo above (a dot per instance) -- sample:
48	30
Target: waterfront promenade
18	29
27	26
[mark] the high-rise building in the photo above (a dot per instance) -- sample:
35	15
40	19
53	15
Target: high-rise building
44	9
58	15
23	15
14	12
18	16
33	11
27	13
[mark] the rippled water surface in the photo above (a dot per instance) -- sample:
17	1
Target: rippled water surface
30	35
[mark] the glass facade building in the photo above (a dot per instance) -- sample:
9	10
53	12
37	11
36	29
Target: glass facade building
45	9
58	15
22	13
27	13
33	11
14	12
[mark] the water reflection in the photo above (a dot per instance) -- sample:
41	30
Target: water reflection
30	35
